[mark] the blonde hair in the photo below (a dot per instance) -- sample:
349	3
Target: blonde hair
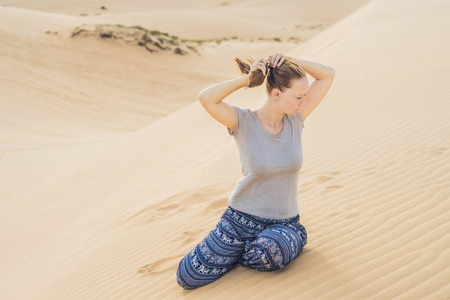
279	77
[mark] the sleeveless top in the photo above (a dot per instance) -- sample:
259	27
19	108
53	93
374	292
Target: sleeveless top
270	166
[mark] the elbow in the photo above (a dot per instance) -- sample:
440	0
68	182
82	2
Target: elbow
203	95
204	98
332	72
200	97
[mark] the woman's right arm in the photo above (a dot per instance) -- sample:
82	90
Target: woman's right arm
216	93
211	100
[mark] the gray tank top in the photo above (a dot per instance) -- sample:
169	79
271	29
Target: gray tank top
270	166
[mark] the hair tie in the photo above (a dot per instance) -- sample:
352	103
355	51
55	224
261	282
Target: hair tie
248	80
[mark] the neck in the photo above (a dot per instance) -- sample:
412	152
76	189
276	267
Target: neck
270	114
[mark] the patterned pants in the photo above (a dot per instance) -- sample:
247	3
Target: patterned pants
260	243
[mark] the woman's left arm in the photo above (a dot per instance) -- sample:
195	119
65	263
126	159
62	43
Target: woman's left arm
323	75
316	70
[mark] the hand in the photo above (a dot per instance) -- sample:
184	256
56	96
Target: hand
275	60
259	64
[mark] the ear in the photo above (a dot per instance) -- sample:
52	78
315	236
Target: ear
276	93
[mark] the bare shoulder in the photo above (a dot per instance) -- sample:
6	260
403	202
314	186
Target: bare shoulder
223	113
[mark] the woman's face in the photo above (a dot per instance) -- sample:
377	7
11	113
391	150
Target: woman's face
294	98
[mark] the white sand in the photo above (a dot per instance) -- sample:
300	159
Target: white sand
111	170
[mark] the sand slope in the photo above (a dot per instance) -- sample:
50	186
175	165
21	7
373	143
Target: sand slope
373	190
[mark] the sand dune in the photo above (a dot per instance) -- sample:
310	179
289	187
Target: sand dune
106	184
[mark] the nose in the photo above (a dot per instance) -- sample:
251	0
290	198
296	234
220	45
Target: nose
303	102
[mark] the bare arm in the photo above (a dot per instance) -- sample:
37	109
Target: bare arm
316	70
211	97
211	100
217	92
324	76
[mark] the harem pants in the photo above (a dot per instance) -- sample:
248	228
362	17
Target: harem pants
260	243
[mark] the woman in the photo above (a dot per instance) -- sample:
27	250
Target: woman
261	227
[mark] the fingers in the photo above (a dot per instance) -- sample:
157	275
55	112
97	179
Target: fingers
275	60
282	59
263	66
260	64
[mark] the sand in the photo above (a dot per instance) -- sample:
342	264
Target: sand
111	170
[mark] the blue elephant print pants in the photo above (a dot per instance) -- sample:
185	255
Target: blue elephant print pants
260	243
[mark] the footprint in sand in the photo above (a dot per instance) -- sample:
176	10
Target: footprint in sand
332	187
179	202
323	178
151	213
160	265
335	173
217	204
190	236
327	177
430	151
436	152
